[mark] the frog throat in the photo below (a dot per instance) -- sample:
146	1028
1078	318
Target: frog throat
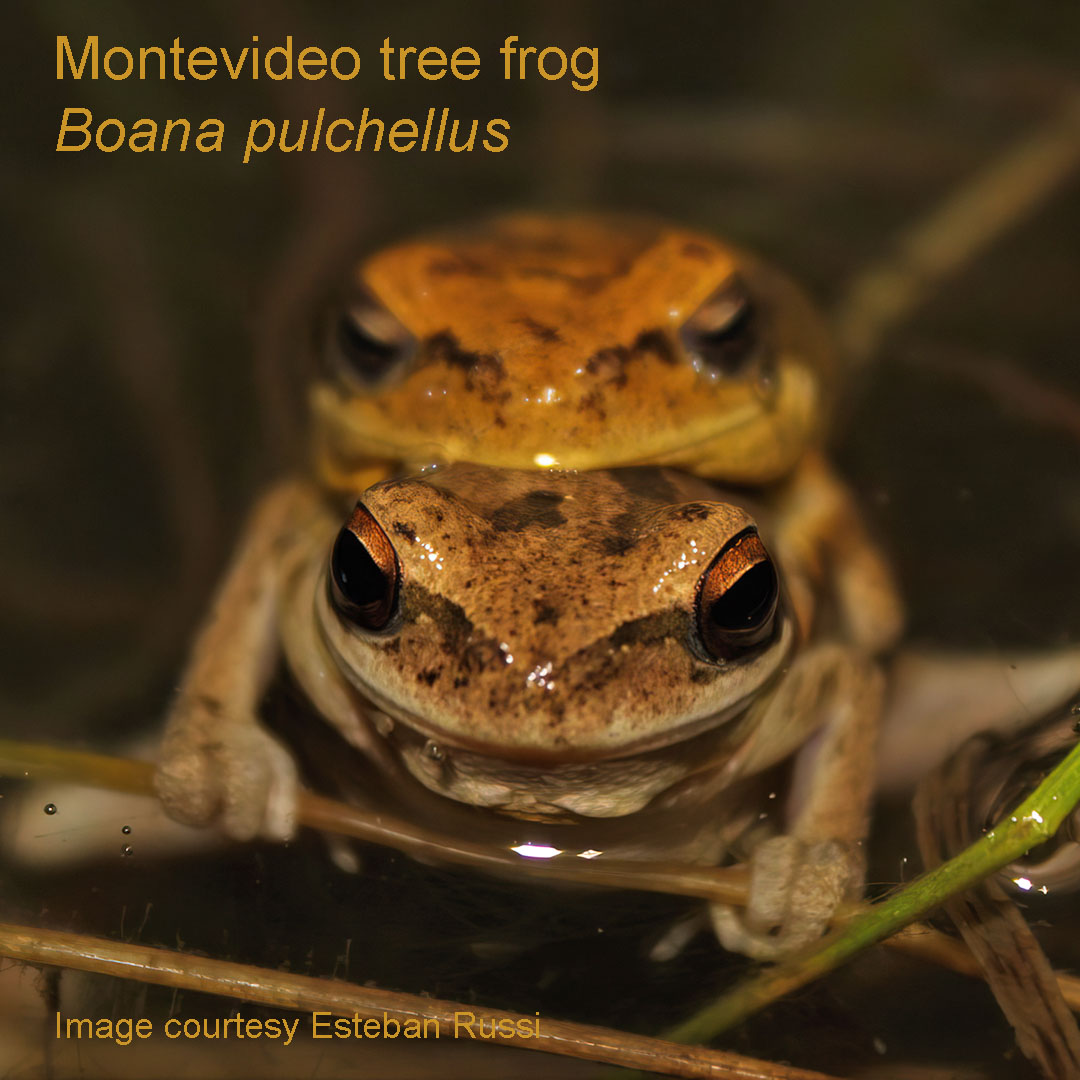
562	792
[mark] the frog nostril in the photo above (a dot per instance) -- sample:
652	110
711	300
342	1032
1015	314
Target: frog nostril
364	572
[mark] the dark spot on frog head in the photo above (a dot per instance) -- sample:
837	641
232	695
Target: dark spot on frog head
547	334
693	250
704	676
544	612
692	512
609	365
457	264
658	344
652	629
483	371
623	534
479	656
593	402
406	531
537	509
617	544
453	629
445	348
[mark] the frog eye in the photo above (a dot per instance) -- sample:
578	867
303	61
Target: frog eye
723	333
737	598
364	572
366	341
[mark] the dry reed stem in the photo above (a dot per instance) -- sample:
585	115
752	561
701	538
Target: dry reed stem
1009	188
304	993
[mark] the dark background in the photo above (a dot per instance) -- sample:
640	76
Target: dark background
156	308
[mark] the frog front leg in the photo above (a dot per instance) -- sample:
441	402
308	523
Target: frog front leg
216	759
823	544
829	707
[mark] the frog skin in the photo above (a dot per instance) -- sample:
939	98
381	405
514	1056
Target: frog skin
588	342
581	342
555	647
685	353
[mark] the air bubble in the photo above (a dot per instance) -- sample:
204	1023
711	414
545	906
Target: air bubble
127	850
50	808
126	830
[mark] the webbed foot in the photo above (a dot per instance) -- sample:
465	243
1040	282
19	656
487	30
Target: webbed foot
795	889
238	775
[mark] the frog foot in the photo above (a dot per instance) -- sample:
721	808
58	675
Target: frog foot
795	889
240	776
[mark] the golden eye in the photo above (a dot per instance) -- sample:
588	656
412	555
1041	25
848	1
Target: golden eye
364	572
366	341
737	598
724	333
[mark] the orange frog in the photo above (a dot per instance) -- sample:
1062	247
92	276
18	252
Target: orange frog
578	342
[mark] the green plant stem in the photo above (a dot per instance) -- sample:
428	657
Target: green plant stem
1032	823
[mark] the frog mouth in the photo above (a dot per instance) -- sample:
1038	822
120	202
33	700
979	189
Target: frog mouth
553	787
424	731
348	444
603	788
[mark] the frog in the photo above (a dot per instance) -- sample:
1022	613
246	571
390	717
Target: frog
540	342
577	341
575	650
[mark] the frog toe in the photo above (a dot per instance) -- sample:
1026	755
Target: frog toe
184	786
260	787
245	780
731	931
795	889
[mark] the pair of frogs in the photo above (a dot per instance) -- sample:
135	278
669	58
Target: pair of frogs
598	579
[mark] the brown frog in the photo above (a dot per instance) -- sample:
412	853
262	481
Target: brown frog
560	647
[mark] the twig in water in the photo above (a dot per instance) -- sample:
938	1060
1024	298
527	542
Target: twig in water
305	993
717	884
996	199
